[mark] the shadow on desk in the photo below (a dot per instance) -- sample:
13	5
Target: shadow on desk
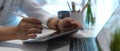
61	43
18	46
57	44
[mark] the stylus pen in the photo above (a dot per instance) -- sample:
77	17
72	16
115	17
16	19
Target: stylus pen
44	26
69	6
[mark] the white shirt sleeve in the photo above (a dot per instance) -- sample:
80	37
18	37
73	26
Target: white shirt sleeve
33	9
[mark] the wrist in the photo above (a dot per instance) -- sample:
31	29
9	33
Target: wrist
13	32
7	33
53	23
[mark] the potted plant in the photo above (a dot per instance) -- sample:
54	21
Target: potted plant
115	43
89	15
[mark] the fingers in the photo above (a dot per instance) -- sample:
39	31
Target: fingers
67	24
30	25
32	20
31	35
74	22
71	21
34	30
28	28
27	23
28	36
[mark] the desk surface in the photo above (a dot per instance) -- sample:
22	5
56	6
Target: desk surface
17	45
57	44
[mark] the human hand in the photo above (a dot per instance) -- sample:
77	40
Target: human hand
28	28
67	24
63	25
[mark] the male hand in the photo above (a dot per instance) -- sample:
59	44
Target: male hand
28	28
67	24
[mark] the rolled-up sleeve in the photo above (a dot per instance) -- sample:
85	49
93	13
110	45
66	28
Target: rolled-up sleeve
33	9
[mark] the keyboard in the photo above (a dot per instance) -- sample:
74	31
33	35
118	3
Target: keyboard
83	44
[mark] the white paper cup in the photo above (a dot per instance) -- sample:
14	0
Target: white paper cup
79	17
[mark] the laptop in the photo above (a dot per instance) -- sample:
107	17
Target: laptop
99	43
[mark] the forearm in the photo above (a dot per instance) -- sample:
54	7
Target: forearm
7	33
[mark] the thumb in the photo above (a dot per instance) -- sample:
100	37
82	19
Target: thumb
31	35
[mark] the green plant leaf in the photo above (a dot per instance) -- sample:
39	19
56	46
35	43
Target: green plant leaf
115	42
89	15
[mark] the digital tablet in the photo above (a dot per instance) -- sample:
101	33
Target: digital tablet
48	34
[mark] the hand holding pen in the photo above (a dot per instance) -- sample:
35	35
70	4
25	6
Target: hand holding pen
28	28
